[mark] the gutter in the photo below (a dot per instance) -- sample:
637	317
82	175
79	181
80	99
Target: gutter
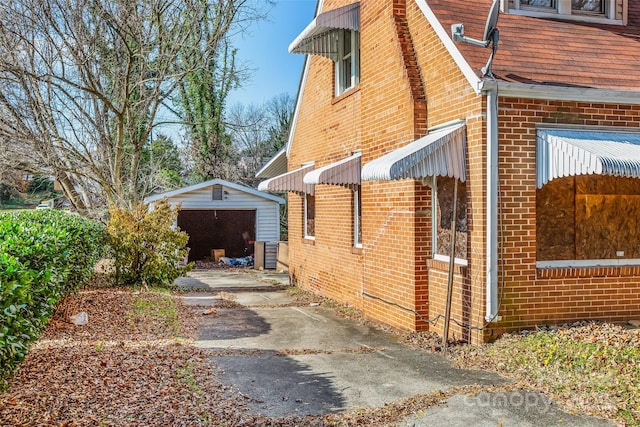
560	93
492	207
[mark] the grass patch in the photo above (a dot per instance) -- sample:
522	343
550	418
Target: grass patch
591	369
156	306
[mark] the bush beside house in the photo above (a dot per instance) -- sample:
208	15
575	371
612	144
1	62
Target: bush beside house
44	255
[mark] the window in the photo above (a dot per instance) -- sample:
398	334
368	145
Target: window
443	211
217	192
357	217
309	216
348	63
581	10
588	6
538	3
588	220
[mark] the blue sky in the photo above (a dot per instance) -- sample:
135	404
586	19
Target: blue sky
265	49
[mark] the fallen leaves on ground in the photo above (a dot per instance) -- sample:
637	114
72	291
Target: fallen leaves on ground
134	364
590	368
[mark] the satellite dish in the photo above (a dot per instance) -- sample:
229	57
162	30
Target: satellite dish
492	21
490	36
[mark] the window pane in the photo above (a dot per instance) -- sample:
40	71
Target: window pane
538	3
444	206
310	215
346	43
346	63
357	216
596	6
346	73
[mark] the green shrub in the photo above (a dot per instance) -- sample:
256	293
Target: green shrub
145	246
44	255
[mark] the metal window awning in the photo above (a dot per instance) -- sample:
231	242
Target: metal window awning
569	152
321	35
344	172
290	181
440	153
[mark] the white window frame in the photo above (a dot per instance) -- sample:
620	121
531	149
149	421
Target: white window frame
434	226
305	213
352	57
563	10
357	212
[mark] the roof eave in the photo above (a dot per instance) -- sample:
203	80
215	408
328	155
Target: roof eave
273	164
561	93
212	182
466	69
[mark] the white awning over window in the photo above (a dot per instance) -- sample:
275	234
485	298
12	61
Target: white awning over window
290	181
569	152
440	153
321	35
343	172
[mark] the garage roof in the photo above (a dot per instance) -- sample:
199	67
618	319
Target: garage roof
213	182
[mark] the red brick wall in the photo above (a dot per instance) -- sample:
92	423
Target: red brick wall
547	296
328	129
378	117
450	97
393	276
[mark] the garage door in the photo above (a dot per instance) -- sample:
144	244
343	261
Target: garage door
231	230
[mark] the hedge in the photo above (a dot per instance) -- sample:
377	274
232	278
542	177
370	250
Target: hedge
44	255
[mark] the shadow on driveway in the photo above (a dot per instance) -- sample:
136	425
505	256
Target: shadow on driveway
231	324
277	385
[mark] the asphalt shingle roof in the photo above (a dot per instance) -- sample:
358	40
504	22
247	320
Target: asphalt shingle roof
548	51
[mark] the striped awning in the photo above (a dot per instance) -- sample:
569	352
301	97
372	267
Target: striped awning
290	181
321	35
569	152
440	153
344	172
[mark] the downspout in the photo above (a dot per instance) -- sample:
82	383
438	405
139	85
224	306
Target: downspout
492	205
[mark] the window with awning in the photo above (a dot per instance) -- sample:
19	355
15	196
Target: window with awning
588	197
438	157
335	34
440	153
346	173
290	181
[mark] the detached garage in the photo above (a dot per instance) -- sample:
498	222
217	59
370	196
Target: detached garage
218	214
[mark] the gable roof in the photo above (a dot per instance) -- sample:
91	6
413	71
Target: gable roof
542	51
277	165
213	182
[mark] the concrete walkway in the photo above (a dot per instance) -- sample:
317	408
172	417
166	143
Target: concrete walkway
290	359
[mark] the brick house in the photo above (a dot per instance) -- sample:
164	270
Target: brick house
540	152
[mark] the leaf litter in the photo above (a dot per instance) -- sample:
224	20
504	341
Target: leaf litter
134	364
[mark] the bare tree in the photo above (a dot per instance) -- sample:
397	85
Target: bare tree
280	110
249	129
258	131
82	81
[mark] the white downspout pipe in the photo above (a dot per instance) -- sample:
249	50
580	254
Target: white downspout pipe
492	206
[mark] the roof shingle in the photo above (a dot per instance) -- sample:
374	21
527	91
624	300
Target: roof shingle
549	51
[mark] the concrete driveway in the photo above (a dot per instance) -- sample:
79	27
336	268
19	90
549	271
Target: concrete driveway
289	359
